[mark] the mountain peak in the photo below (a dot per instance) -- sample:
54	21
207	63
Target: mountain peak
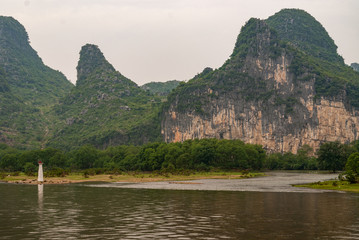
91	59
305	32
13	33
26	74
255	35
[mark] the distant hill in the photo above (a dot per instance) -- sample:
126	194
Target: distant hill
355	66
105	108
161	88
27	75
283	87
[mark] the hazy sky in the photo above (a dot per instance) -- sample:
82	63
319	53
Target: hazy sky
161	40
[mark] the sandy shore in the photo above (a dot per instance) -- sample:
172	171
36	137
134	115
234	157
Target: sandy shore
268	182
272	182
128	178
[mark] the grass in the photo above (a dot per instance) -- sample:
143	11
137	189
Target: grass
333	185
128	177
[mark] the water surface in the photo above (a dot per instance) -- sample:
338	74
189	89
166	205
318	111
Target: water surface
83	211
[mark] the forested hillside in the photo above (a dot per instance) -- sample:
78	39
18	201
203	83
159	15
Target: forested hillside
161	88
21	125
105	108
27	75
283	87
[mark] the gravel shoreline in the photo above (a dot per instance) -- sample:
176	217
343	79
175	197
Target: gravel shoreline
272	182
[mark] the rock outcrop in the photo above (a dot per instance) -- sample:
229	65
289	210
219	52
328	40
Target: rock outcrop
270	92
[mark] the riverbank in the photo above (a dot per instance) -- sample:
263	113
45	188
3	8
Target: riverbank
332	185
274	181
131	177
277	181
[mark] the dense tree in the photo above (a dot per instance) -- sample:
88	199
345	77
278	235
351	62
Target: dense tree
204	154
352	168
30	169
333	155
85	157
9	162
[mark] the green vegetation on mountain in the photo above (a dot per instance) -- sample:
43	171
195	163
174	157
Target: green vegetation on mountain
355	66
105	108
39	106
305	33
4	86
315	55
232	79
27	88
21	125
290	32
332	80
161	88
27	75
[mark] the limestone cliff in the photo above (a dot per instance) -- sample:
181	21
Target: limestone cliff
269	92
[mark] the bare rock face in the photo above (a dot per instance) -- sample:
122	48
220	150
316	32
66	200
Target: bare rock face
257	97
324	121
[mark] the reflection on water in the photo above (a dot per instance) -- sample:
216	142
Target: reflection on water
40	194
83	212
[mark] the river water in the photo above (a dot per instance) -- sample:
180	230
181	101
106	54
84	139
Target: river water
131	211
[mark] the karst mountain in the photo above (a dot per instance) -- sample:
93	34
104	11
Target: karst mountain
284	86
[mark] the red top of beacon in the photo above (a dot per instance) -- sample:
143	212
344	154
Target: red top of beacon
40	162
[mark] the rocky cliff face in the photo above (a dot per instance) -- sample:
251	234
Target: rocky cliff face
260	97
323	121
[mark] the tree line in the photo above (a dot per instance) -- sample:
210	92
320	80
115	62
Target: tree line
197	155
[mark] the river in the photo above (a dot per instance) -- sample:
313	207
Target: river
230	209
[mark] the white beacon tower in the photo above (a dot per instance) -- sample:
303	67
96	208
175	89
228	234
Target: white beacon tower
40	175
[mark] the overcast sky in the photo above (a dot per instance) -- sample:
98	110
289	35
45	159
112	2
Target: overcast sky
161	40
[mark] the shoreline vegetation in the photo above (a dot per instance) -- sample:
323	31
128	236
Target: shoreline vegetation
334	185
133	177
188	160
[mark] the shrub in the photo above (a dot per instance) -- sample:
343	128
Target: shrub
352	168
30	169
56	172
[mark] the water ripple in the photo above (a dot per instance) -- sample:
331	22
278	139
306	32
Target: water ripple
86	212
